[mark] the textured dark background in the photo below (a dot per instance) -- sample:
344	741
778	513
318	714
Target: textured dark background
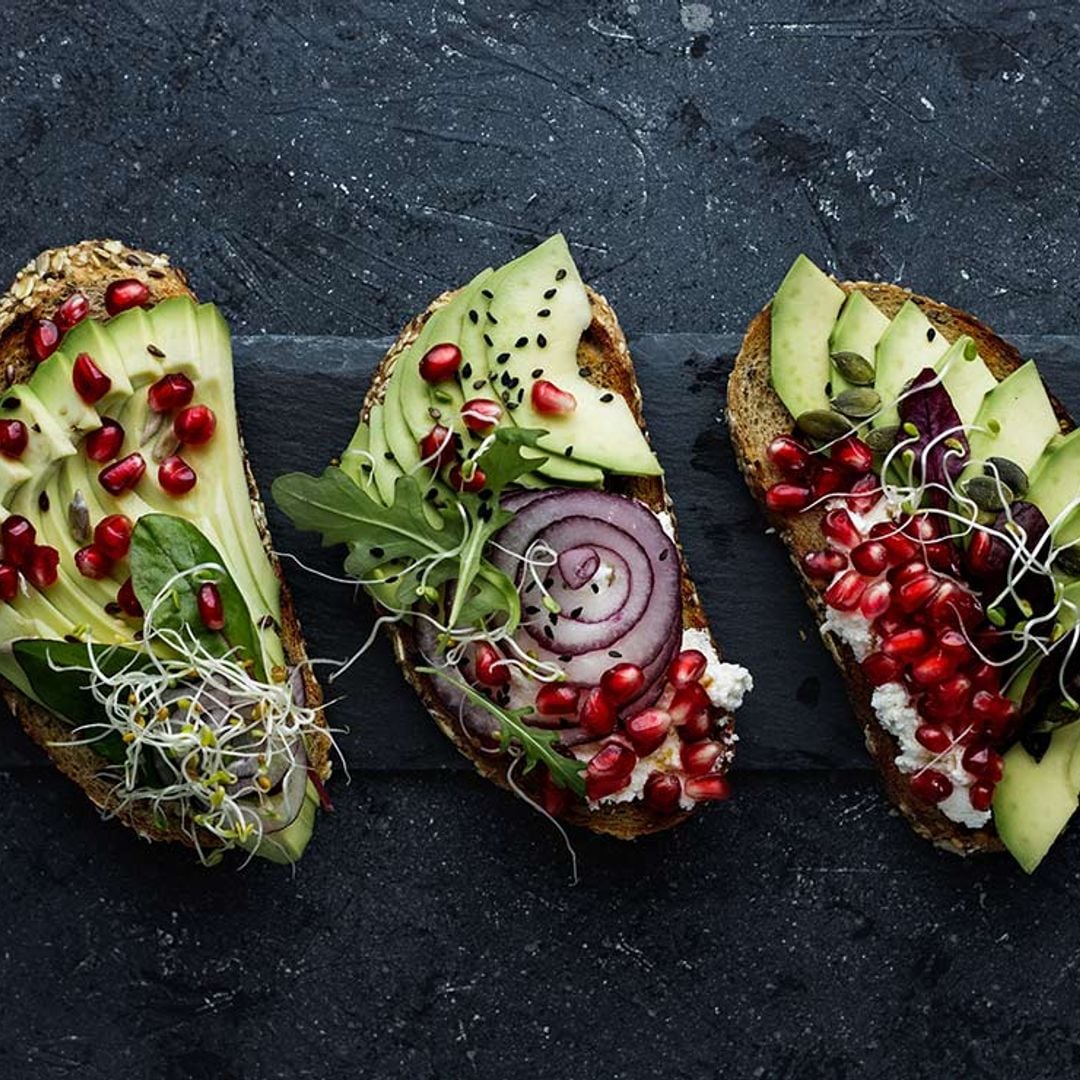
324	169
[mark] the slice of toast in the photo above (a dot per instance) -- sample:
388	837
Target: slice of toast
756	415
37	291
604	352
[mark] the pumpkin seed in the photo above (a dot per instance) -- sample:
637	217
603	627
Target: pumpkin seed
987	493
882	439
855	368
858	403
1009	472
823	424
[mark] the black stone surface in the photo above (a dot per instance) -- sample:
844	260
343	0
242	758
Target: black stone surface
324	169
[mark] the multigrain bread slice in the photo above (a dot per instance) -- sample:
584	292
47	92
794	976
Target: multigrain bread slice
756	415
604	353
38	290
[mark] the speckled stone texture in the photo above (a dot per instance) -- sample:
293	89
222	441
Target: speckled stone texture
324	169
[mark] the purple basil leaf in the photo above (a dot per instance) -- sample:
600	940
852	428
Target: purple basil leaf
930	409
1037	588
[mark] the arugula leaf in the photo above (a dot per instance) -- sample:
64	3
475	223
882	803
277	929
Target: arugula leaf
162	546
537	744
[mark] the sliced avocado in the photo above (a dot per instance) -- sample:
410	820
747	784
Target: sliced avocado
356	460
132	335
803	312
539	311
966	377
90	337
287	845
53	382
387	469
907	346
47	442
1035	799
1015	421
857	330
176	334
1055	480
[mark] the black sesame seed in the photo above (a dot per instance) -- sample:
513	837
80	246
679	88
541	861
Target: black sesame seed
605	398
505	395
513	382
492	319
532	609
584	372
537	372
520	395
393	579
36	428
389	455
529	588
113	608
548	582
473	318
502	358
138	635
576	613
511	405
565	659
595	588
521	343
488	342
549	633
541	341
931	334
663	556
569	451
478	384
615	654
505	379
559	275
43	502
466	370
543	313
487	293
377	552
553	618
550	293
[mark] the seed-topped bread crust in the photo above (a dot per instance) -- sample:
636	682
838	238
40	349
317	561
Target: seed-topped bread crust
756	415
603	352
37	291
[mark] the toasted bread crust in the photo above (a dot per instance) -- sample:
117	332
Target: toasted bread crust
37	291
756	415
603	350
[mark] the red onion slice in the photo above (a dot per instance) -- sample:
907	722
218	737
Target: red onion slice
612	581
578	566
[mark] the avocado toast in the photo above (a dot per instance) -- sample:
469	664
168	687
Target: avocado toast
927	487
502	505
150	642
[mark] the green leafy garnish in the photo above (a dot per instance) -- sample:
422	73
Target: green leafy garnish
537	745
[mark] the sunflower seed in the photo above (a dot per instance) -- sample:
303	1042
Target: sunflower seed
1008	472
855	368
79	518
823	424
987	493
858	403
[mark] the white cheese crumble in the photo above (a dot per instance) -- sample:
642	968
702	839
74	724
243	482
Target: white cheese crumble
851	627
666	524
726	684
665	758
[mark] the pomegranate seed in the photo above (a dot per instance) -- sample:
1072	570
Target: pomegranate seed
438	447
648	729
790	457
952	641
996	714
122	475
9	582
864	494
875	601
824	565
954	605
711	788
170	392
13	438
932	668
689	704
91	383
597	713
128	601
698	725
984	762
981	555
19	538
699	758
211	609
195	425
124	294
921	527
881	669
622	683
43	339
901	548
931	786
476	482
981	794
940	710
871	557
490	665
906	644
662	791
686	668
92	562
984	676
549	400
838	527
176	476
41	568
73	310
935	739
786	498
440	362
916	593
609	769
104	443
553	798
899	574
557	699
481	414
889	623
953	691
943	555
112	535
846	591
852	453
827	481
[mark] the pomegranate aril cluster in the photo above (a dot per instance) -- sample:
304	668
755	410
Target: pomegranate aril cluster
807	477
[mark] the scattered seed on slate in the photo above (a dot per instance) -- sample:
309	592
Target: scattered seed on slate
605	398
550	293
473	318
521	343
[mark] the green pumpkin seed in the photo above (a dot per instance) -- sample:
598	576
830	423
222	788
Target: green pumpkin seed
1009	472
823	424
987	493
855	368
857	403
882	439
